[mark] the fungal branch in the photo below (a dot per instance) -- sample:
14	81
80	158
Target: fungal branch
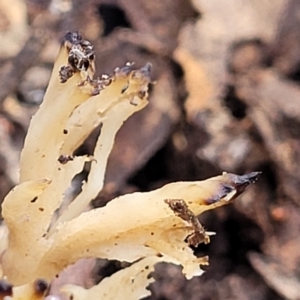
141	228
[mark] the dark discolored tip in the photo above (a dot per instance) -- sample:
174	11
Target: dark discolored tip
252	177
40	286
142	73
240	182
246	179
5	289
126	69
146	69
73	37
232	186
223	191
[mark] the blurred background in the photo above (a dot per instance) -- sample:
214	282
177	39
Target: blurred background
225	97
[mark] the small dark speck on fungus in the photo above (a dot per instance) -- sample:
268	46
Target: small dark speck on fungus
63	159
34	199
150	275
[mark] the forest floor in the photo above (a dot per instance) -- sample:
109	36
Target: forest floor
226	98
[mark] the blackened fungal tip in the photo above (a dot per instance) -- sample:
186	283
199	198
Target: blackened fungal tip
40	286
73	37
247	178
147	68
240	182
224	191
5	288
253	176
125	70
237	180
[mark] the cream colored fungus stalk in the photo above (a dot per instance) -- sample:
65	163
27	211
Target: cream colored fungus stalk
141	228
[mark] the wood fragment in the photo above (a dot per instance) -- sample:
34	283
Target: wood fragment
181	209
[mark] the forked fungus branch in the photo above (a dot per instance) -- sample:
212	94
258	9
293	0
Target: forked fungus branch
141	228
